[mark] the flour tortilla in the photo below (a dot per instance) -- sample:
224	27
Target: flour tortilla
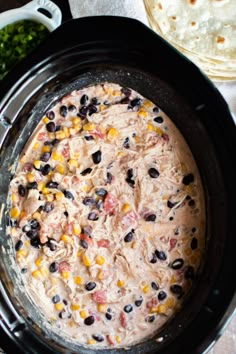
204	30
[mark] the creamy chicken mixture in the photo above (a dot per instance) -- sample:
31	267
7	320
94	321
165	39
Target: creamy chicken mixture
107	216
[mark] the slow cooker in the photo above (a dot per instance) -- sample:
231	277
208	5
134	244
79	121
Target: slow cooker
124	51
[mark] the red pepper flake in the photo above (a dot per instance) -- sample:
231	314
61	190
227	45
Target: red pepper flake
103	243
110	203
64	266
99	296
110	340
123	319
165	137
42	136
173	242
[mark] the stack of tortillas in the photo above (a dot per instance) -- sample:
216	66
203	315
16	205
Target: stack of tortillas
204	30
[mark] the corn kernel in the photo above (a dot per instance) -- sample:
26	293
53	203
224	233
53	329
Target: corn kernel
49	197
60	135
86	260
60	169
14	198
43	271
102	107
22	214
79	253
14	213
30	177
71	323
120	153
154	309
147	104
66	239
57	156
75	307
83	313
38	261
76	229
118	339
36	146
76	120
22	252
173	279
13	231
46	148
112	133
78	280
45	120
89	127
59	306
65	274
100	260
116	93
142	113
36	274
41	185
151	127
170	302
146	289
51	136
77	127
161	309
37	216
27	243
73	163
59	195
72	131
100	275
120	283
159	131
137	139
91	341
45	190
66	132
102	307
126	207
86	188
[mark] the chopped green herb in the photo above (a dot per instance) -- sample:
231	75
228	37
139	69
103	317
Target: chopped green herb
17	40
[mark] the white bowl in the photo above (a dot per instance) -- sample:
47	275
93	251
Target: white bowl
30	12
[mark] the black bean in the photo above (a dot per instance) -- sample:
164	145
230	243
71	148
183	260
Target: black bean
68	195
128	308
153	173
86	171
32	233
83	110
108	316
191	202
129	237
194	230
62	314
89	201
154	258
52	246
126	143
71	108
101	192
26	228
50	115
136	102
93	216
188	179
48	207
130	173
189	273
58	128
87	230
95	101
55	141
24	270
171	204
83	244
90	285
35	242
92	109
56	299
161	255
32	185
109	177
176	289
194	243
19	244
188	197
130	182
126	91
66	214
162	295
125	100
177	263
150	319
98	337
65	302
45	157
34	224
21	190
99	204
97	157
51	127
84	99
150	217
63	111
154	285
139	302
52	184
53	267
158	119
156	109
89	137
89	320
46	169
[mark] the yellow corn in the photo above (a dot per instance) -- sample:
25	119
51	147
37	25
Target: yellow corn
76	120
86	260
112	133
159	130
91	341
37	164
36	146
75	307
22	214
79	253
77	127
118	339
57	156
125	207
45	190
40	186
13	231
60	135
30	177
78	280
102	307
142	113
170	302
66	132
37	216
72	131
66	239
50	197
46	148
14	213
86	188
173	279
100	275
22	252
120	153
27	243
102	107
161	309
116	93
137	139
65	274
146	289
71	323
76	229
45	120
60	169
151	127
100	260
147	104
43	271
83	313
36	274
154	309
38	261
59	195
51	136
73	163
89	127
59	306
120	283
14	198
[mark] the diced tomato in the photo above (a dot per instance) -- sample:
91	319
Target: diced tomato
68	229
65	152
88	239
27	167
100	297
165	137
129	219
110	203
110	340
42	136
173	242
97	132
123	319
64	266
103	243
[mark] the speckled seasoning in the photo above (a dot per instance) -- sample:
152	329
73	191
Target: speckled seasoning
109	216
